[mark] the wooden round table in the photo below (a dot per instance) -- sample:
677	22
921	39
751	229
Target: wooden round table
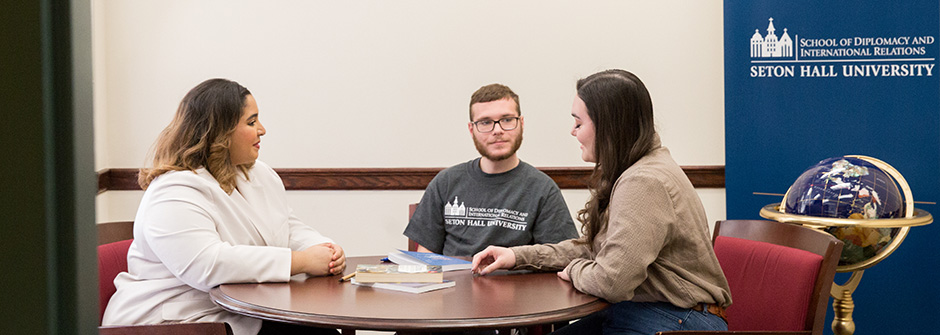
476	302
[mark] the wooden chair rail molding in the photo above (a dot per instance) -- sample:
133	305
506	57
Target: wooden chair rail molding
706	176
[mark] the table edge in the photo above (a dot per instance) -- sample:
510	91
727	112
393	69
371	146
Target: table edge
229	304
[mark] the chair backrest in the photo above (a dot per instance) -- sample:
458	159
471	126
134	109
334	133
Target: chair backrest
115	231
780	274
114	239
412	245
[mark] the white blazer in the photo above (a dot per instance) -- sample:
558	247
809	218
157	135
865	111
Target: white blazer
189	236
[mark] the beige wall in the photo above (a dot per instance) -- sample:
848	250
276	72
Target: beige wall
386	84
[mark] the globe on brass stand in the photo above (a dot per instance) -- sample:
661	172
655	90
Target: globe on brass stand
857	199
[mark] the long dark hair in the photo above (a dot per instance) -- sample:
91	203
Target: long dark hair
200	134
622	112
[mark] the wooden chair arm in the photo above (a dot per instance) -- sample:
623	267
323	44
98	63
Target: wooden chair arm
187	328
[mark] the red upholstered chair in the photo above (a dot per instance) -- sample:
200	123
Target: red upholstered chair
780	275
114	239
112	260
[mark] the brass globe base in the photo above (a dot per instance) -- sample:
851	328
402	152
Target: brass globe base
843	305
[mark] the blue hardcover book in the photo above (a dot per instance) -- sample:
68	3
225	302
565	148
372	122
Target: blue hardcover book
426	258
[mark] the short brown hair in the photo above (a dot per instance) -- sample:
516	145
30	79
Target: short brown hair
493	92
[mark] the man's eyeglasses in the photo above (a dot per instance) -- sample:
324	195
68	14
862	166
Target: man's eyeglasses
506	123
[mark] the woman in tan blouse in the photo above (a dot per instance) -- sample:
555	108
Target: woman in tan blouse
646	246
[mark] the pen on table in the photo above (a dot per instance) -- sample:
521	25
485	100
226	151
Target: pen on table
347	277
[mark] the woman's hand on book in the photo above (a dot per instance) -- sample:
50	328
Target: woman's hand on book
493	258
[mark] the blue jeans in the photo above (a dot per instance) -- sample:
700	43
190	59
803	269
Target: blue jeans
646	318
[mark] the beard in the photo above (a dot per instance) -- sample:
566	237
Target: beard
481	148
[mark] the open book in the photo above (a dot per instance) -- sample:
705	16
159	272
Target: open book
408	287
448	263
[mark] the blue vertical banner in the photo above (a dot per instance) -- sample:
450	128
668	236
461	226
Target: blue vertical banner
808	80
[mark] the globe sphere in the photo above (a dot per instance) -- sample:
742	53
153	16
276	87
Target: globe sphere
851	188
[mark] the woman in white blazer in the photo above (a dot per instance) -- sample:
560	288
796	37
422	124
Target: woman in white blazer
212	214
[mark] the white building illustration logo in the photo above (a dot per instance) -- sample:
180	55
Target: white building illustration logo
769	46
454	209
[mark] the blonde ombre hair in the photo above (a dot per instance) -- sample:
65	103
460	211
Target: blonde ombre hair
200	134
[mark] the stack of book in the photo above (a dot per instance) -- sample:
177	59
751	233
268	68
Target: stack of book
390	273
405	278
